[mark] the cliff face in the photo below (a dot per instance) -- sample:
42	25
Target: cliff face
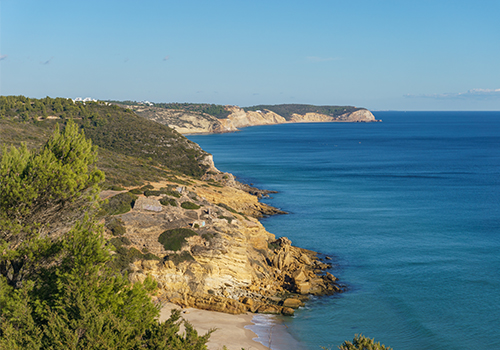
187	122
229	262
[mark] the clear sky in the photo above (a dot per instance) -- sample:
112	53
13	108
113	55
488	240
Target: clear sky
398	55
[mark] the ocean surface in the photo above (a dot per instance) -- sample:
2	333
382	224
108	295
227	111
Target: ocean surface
409	210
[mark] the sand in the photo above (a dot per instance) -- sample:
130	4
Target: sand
231	331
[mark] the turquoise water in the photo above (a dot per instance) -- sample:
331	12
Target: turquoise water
408	208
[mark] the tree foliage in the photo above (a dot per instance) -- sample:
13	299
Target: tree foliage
361	342
57	287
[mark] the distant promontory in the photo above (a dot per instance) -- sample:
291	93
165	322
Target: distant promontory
190	118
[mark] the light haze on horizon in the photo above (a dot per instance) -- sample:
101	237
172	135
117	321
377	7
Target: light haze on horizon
381	55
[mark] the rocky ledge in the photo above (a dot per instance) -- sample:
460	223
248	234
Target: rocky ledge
203	244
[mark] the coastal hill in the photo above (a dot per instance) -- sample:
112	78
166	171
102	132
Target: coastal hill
170	214
187	118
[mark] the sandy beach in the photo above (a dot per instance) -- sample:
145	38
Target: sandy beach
231	331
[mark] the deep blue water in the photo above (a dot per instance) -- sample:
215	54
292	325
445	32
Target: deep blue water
408	208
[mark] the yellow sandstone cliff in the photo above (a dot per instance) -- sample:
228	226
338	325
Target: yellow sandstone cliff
189	122
229	263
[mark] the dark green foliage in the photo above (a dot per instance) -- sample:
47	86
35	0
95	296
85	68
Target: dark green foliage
39	189
125	256
168	201
362	343
217	111
174	239
286	110
189	205
228	218
172	193
119	204
149	193
209	236
147	187
136	191
227	207
116	226
178	258
273	245
116	188
120	241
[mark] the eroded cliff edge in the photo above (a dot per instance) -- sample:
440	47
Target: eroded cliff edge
192	122
202	242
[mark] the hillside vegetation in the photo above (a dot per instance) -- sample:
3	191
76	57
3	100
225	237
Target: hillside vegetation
222	112
131	148
286	110
58	289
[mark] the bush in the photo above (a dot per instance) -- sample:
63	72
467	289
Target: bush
362	343
172	194
119	204
149	193
189	205
126	256
227	207
168	201
178	258
176	238
115	225
136	191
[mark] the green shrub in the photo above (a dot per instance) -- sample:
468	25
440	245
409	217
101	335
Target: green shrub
228	218
136	191
189	205
126	256
149	193
208	236
178	258
116	226
168	201
117	188
120	241
362	343
173	194
147	187
227	207
174	239
273	245
119	204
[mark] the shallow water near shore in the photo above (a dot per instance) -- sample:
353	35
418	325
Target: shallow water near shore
409	210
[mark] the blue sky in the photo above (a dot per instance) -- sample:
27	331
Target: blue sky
398	55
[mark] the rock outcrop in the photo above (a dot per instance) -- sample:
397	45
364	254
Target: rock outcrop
228	262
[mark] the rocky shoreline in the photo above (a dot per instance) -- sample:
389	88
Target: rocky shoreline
225	261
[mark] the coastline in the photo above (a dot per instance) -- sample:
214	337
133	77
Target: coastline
247	331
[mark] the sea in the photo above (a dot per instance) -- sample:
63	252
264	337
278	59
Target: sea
409	211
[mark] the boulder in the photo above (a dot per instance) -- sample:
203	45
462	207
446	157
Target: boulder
294	303
269	309
287	311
